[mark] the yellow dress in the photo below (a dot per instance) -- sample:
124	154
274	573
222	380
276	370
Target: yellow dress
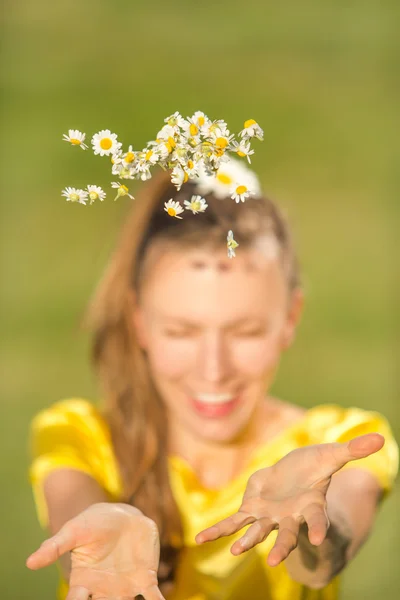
72	433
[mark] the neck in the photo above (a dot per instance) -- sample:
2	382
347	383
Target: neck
212	459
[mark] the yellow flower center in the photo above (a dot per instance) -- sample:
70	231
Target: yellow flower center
124	189
171	211
171	142
194	130
249	123
221	142
185	177
105	143
223	178
241	189
74	197
93	195
190	164
149	154
240	153
201	121
130	157
75	141
196	205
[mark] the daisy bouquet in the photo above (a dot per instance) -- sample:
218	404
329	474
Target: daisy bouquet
194	148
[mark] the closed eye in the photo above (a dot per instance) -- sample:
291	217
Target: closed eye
251	333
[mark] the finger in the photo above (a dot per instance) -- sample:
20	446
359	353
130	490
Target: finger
285	542
153	593
227	526
256	533
338	454
77	592
317	521
52	548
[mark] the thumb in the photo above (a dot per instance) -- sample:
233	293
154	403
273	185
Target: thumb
52	548
364	445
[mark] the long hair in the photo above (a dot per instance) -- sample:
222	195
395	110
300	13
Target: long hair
132	406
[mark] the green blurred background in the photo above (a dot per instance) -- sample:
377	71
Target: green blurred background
322	80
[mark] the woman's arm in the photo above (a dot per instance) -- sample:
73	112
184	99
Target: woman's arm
352	502
68	492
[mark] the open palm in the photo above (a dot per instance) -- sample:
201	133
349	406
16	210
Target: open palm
114	553
289	493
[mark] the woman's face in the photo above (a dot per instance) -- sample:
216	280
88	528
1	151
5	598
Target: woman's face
214	329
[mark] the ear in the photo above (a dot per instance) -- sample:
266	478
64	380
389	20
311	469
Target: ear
293	317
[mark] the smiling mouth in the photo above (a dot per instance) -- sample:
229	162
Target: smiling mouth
214	405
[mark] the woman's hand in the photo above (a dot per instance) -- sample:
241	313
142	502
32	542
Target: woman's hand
115	552
289	493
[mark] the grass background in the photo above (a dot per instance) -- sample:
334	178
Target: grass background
323	81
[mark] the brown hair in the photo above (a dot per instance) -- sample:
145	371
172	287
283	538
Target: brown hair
132	407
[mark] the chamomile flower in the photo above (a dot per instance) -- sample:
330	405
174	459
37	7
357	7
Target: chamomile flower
175	120
122	190
95	193
179	176
173	208
150	156
216	128
105	143
252	129
129	157
192	129
231	244
240	193
196	204
76	138
242	149
230	173
75	195
201	120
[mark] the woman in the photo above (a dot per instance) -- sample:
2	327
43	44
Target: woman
188	446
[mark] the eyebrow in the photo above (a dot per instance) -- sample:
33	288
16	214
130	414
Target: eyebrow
187	323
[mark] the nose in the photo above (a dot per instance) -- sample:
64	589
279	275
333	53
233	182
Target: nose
214	360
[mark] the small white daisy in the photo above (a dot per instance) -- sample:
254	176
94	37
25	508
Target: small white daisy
122	190
105	143
173	208
129	157
221	183
201	120
75	195
240	193
252	129
150	157
179	177
242	149
76	138
196	204
231	244
175	120
95	193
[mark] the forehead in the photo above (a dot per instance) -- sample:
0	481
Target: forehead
202	285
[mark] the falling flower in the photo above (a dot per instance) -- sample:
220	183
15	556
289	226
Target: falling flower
173	208
252	129
122	190
95	193
231	244
76	138
75	195
240	193
196	204
242	149
105	143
